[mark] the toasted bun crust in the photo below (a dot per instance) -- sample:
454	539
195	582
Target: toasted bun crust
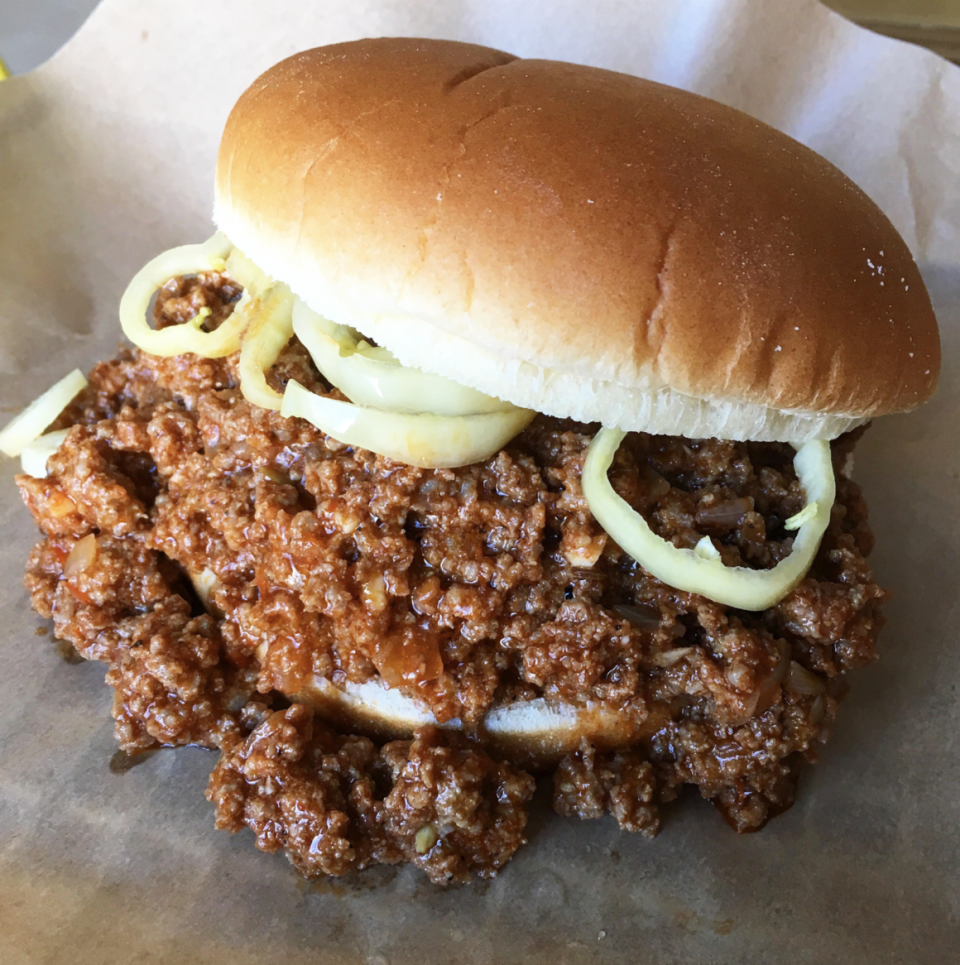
578	241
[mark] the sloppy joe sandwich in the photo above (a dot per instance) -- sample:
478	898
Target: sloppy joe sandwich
503	426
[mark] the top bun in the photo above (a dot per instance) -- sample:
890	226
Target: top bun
577	241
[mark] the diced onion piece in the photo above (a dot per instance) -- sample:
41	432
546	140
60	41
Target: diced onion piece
205	583
271	327
667	658
798	519
818	709
369	375
22	429
698	572
725	512
81	557
706	550
426	440
426	838
178	339
33	457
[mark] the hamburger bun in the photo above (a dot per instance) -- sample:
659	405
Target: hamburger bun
577	241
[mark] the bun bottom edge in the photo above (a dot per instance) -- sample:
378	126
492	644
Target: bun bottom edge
533	733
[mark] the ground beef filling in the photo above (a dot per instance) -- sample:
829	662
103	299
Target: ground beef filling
464	588
337	802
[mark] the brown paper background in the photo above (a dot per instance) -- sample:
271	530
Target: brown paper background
106	157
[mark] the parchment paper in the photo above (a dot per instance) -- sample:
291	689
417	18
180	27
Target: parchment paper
106	157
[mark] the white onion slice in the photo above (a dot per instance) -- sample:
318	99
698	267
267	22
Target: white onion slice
371	376
33	457
426	440
686	569
22	429
271	327
178	339
243	271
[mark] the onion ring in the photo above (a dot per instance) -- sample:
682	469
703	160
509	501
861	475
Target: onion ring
700	570
371	376
426	440
179	339
269	330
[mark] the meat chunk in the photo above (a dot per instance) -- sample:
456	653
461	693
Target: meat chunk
171	687
750	771
588	784
454	810
100	594
299	786
336	803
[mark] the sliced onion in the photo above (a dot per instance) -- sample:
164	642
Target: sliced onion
798	519
426	440
371	376
271	327
685	569
33	457
803	681
178	339
644	616
22	429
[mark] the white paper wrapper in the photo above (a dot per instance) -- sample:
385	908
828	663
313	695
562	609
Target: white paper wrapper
106	157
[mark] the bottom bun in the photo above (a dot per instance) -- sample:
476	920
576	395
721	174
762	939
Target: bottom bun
532	733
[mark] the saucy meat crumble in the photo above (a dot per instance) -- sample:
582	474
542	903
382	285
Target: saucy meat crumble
216	557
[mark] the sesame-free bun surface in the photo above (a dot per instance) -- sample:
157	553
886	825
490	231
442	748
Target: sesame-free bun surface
578	241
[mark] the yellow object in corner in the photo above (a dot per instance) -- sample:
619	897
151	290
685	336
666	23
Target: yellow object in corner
4	70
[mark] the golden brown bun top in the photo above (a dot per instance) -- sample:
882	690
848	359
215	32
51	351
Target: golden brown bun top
574	222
